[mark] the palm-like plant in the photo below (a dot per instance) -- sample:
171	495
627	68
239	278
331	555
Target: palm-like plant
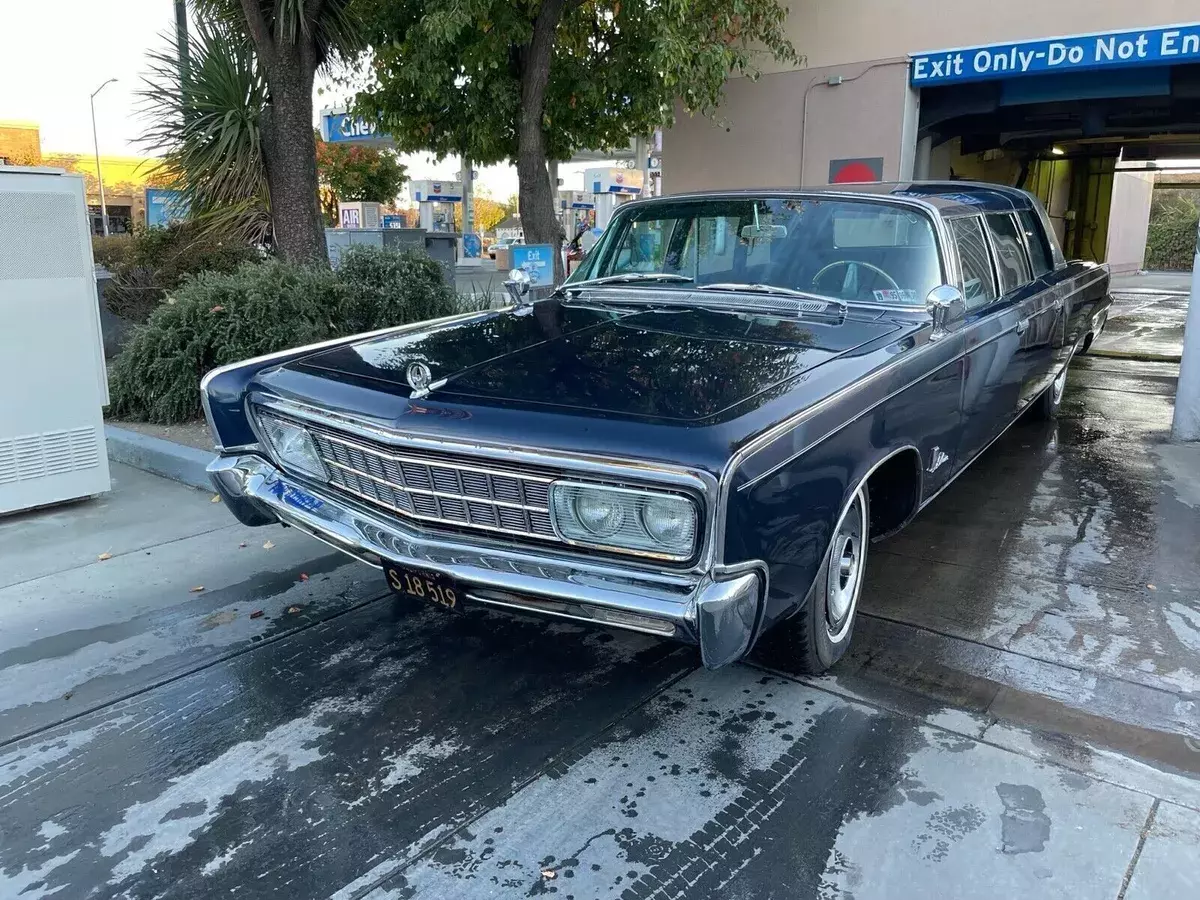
238	130
208	128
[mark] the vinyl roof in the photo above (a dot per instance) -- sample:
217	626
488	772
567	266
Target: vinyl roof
949	197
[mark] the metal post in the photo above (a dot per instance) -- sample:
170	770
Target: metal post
96	145
468	210
641	152
181	39
1186	426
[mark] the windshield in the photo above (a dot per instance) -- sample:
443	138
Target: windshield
851	250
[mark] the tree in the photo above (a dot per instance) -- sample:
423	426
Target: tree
358	174
487	212
535	80
239	125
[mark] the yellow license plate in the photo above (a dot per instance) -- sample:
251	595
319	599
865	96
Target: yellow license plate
428	586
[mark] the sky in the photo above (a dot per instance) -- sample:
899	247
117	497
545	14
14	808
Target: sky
55	54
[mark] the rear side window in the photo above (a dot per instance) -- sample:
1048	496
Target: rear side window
1012	264
1039	252
979	285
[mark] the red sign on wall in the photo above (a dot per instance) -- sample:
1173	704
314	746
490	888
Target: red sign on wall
856	171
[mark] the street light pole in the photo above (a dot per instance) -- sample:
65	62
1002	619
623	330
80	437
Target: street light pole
96	145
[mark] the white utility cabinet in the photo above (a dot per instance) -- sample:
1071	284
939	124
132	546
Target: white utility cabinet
53	384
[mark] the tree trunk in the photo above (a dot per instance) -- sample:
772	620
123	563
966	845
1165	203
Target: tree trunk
539	220
290	154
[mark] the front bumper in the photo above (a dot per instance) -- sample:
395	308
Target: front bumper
719	610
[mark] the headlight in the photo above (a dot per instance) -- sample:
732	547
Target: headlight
292	447
646	522
670	520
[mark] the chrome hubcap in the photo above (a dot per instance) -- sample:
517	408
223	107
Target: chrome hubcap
845	573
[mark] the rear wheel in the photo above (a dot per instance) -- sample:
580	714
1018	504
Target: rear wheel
823	629
1047	405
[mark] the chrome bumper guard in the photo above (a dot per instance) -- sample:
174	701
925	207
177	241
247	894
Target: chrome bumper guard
721	611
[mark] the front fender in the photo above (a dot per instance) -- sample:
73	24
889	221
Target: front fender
788	518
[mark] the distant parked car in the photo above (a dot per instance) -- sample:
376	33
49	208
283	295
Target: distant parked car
698	435
499	245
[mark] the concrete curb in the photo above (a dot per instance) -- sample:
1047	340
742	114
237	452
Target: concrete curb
165	458
1134	355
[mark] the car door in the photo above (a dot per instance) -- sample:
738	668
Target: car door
1039	309
990	337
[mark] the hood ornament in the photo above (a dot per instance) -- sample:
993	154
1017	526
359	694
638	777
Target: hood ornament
419	378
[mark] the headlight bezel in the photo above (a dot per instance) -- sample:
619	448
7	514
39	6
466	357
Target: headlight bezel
635	500
262	426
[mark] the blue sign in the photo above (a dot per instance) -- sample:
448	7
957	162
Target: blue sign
164	207
343	128
536	259
393	222
1105	50
472	246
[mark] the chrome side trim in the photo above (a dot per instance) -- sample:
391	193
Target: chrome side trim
725	482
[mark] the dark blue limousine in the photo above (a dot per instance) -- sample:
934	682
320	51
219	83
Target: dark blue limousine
699	434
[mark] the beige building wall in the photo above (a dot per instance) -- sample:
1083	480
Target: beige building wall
784	129
835	32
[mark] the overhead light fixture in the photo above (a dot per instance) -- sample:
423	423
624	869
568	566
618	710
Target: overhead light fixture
1058	151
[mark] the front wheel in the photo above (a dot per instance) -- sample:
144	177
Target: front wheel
822	630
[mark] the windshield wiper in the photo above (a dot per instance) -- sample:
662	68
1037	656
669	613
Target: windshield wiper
762	289
630	277
808	302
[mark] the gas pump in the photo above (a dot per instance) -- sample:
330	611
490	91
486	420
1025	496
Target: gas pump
576	209
435	203
611	187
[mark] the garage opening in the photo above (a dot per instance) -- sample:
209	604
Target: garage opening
1080	141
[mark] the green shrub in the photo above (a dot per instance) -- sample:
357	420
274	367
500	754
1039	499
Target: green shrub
111	251
392	286
1171	237
217	318
155	261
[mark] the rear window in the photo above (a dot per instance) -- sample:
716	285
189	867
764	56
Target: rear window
1035	237
1012	265
979	286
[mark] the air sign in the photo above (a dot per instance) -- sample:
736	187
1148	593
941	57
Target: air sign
1116	49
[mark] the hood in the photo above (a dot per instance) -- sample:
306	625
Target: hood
667	364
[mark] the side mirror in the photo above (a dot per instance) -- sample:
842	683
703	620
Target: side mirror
945	303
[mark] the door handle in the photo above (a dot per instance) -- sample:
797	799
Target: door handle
1022	326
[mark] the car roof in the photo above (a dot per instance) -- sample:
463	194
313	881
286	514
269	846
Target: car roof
949	198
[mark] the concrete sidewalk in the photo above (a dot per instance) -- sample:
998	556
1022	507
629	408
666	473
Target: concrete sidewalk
1018	716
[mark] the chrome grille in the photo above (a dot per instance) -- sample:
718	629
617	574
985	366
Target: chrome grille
444	490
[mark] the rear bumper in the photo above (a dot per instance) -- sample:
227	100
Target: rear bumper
720	610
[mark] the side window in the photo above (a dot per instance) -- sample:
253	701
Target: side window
979	285
1039	252
1011	262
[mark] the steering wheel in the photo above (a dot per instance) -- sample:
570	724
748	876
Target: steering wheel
850	265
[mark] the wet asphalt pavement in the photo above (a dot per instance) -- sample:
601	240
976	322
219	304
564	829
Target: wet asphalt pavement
1019	716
